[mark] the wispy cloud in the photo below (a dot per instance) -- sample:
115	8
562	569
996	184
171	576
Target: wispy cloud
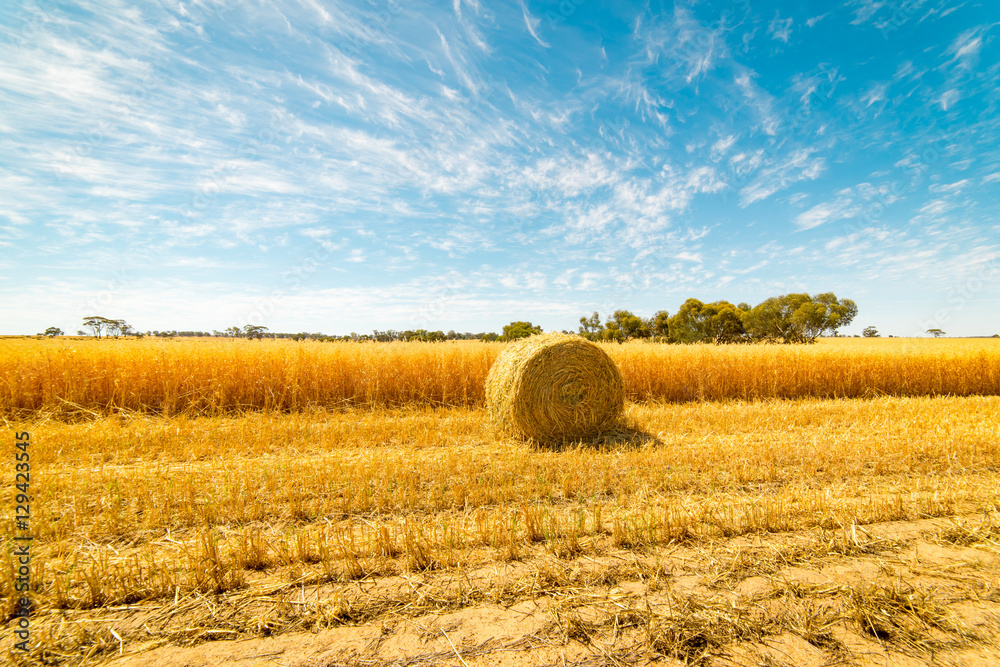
811	22
721	147
780	29
681	46
532	24
964	51
838	209
949	98
957	186
865	9
800	166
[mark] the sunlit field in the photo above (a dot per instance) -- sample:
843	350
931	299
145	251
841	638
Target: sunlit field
185	492
215	377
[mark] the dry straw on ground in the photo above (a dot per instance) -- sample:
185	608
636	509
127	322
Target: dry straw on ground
554	387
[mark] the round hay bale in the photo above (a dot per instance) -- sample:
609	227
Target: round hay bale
554	387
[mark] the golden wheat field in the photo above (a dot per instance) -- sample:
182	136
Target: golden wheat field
206	502
214	377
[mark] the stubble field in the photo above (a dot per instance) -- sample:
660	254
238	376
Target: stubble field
274	502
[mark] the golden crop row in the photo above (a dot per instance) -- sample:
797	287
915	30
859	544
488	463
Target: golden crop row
231	376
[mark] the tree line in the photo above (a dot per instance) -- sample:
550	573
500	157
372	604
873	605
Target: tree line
789	318
385	336
105	327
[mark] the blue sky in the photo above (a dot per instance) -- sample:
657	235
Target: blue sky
324	165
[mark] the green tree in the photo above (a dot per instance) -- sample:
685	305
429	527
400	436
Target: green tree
516	330
96	324
824	312
717	322
52	332
687	325
659	324
612	332
771	319
870	332
254	331
937	333
798	318
724	323
118	328
590	327
630	325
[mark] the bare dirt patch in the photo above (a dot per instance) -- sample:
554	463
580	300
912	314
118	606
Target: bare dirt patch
898	593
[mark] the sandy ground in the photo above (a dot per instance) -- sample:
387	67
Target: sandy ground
905	593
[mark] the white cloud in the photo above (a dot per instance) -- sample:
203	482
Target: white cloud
532	23
759	100
704	179
936	207
721	147
966	47
460	68
590	222
746	163
957	186
251	181
831	211
875	94
816	19
462	239
969	48
780	29
533	280
317	233
681	47
782	172
948	99
865	9
904	70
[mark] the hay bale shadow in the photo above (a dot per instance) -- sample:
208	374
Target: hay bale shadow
619	436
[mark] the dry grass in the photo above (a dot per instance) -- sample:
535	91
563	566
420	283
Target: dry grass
78	377
146	510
